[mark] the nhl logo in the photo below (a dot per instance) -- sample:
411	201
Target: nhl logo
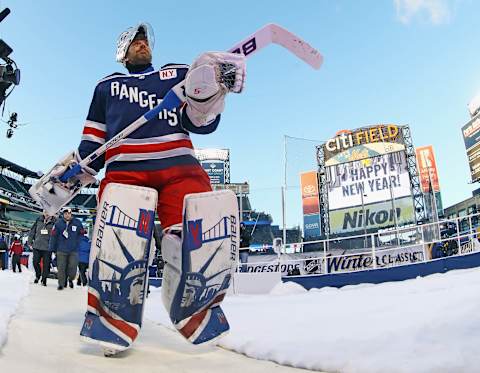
313	266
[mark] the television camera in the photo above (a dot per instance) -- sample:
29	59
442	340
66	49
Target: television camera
13	124
9	72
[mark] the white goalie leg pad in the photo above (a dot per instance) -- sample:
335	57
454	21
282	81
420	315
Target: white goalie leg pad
172	257
119	258
52	194
200	264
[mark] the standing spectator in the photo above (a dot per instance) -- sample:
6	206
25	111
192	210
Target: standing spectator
16	251
64	240
245	239
39	238
83	257
3	253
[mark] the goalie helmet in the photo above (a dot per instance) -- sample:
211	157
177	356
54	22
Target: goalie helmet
126	38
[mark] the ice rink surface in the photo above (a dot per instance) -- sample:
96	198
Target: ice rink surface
423	325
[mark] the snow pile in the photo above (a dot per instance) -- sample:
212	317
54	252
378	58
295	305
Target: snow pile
429	324
13	287
287	288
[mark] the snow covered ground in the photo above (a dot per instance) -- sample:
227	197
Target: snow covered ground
13	287
43	337
429	324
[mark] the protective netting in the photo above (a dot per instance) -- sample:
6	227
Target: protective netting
301	158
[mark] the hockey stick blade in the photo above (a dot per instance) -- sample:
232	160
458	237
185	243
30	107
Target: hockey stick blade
273	33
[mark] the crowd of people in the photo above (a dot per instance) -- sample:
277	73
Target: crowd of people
62	243
14	251
64	237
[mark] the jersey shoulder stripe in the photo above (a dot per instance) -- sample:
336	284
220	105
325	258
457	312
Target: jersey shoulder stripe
111	76
175	66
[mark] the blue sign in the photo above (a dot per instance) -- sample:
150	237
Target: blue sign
215	171
471	132
311	225
471	136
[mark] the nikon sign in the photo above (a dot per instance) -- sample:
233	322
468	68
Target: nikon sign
378	215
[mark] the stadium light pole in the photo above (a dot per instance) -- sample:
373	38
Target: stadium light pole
240	193
392	196
364	220
433	201
394	211
284	191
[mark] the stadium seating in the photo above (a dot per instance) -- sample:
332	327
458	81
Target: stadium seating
18	206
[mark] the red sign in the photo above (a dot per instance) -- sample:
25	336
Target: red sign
427	169
310	200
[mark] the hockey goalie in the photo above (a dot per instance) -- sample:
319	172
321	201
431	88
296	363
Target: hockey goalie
138	127
154	169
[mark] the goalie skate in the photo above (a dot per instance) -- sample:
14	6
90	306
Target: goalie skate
110	352
200	265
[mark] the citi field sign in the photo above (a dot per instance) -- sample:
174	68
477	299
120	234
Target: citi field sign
363	143
347	139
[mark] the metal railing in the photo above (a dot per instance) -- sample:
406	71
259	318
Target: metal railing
382	249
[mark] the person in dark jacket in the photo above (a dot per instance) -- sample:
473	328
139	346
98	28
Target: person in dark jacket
39	238
16	251
245	239
83	258
3	253
64	241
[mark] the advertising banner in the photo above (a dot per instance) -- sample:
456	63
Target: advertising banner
383	258
428	173
376	215
310	204
311	226
471	137
309	186
215	171
427	169
314	263
368	181
363	143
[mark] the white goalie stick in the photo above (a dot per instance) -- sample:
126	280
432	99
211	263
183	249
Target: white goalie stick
275	34
269	34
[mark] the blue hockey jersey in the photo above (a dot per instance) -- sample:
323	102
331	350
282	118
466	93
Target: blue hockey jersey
118	100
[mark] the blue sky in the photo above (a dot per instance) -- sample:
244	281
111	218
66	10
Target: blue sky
410	62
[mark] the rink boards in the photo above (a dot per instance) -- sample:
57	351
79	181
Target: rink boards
399	273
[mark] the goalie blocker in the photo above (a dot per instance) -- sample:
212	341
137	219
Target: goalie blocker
199	264
51	193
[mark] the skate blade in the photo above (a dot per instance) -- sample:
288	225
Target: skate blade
108	349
